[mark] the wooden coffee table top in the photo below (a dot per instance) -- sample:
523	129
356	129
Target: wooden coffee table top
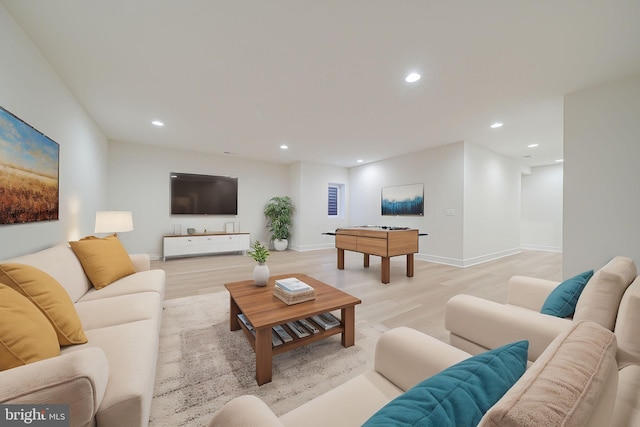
262	308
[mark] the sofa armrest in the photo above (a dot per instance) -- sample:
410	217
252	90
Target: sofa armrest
490	324
529	292
405	356
141	262
245	411
78	378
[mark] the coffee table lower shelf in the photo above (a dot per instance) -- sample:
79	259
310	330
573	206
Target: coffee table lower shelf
297	342
264	350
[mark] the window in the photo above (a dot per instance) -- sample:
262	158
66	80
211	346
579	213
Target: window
335	200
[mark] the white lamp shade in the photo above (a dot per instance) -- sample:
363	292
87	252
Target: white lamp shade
113	221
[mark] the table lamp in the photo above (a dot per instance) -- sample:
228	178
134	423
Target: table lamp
113	222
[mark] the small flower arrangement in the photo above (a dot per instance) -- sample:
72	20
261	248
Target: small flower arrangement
259	253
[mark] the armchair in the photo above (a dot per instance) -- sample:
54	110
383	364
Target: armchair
477	325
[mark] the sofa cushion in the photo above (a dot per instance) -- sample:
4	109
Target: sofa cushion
49	296
626	411
142	281
132	351
459	395
562	301
628	325
601	297
351	403
104	260
564	386
62	264
26	336
118	310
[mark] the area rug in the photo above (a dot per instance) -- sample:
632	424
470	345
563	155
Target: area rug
202	364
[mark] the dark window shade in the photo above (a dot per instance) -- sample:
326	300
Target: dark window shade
333	201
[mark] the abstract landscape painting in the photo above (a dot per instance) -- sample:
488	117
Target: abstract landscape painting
29	163
403	200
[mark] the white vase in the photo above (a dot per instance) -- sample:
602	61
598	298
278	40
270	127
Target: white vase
280	244
261	274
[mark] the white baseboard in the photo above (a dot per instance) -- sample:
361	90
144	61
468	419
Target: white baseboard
456	262
542	248
312	247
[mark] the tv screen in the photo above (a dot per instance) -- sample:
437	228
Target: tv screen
193	194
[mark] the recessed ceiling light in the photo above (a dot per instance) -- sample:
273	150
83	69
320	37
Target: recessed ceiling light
412	78
496	125
157	123
284	147
532	145
359	160
559	160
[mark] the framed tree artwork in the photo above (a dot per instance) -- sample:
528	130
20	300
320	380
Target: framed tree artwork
29	177
403	200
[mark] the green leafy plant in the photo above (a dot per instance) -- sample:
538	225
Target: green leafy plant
259	253
279	211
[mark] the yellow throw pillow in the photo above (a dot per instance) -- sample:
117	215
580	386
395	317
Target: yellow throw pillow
26	336
104	260
49	296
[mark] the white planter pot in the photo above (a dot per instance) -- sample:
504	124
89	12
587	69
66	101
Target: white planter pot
261	274
280	245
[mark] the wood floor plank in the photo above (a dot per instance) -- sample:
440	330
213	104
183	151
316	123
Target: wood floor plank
417	302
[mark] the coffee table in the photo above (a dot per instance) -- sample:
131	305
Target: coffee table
263	311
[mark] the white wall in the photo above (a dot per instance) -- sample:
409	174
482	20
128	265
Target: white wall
541	220
138	180
30	89
472	201
601	175
480	188
442	171
491	205
309	182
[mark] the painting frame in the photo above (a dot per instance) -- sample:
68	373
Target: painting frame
402	200
29	173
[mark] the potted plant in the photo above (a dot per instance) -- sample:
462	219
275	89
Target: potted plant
279	212
260	271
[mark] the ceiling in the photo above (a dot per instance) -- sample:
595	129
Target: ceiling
326	77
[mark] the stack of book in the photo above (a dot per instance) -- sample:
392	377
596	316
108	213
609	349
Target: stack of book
293	291
326	320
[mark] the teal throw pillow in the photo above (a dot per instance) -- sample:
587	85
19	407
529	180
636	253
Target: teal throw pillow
562	301
459	395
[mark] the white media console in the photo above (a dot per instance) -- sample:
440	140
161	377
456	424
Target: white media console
204	244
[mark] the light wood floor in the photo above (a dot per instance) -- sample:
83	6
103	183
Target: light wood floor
417	302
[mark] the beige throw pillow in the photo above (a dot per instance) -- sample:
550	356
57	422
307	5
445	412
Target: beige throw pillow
26	336
571	384
601	297
628	325
49	296
103	260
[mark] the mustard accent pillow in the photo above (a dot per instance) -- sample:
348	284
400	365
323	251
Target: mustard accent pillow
26	336
104	260
49	296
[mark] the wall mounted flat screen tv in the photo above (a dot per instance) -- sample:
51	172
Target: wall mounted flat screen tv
193	194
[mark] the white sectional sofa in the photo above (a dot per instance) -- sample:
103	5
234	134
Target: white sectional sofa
575	381
109	380
610	298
